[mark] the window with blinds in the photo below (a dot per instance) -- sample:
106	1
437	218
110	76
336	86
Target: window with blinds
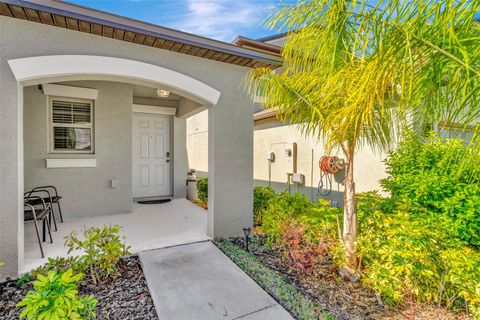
71	125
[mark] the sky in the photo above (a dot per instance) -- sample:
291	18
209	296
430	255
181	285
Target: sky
218	19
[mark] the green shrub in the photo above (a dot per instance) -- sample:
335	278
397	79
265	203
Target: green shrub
202	190
461	278
24	279
261	199
421	243
285	208
439	178
303	231
55	296
61	264
404	255
319	219
276	285
102	248
414	244
409	256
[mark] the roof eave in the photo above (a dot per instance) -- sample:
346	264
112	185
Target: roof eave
114	21
247	42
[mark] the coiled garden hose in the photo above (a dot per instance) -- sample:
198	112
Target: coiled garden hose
325	184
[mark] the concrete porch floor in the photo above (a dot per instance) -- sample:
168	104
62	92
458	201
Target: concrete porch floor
148	227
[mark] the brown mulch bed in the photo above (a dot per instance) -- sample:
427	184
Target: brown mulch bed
343	299
126	297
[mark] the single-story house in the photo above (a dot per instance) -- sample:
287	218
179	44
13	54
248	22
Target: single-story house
96	105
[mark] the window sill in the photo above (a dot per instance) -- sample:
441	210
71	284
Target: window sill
70	163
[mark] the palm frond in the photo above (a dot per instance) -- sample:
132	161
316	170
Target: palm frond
358	72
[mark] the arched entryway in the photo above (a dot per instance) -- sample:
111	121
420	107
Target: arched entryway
33	71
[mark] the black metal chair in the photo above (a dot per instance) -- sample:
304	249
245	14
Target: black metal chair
45	198
37	213
54	198
38	201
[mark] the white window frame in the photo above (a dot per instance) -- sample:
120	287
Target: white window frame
91	126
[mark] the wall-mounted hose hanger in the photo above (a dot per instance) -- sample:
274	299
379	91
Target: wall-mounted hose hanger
329	165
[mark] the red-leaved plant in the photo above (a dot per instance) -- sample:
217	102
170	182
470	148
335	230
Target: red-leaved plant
299	253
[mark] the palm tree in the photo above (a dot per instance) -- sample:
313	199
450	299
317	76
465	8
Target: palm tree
357	73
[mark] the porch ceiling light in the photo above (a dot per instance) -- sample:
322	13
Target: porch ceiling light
163	93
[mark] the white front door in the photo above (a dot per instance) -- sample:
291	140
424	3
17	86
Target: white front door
151	156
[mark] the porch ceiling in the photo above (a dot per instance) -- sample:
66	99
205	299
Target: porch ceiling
77	18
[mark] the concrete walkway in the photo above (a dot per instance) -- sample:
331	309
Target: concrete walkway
197	281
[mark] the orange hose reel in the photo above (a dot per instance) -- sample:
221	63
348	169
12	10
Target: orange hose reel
330	164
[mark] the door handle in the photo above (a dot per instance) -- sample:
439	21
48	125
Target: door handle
168	160
167	154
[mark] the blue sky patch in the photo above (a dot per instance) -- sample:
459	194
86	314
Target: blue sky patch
218	19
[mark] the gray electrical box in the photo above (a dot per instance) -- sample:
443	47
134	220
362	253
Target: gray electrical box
298	178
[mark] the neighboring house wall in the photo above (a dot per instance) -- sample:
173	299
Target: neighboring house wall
197	143
85	191
269	134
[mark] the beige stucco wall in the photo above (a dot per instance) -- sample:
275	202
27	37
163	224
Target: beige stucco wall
271	135
197	143
230	201
369	168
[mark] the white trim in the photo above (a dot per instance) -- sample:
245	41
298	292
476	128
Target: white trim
141	108
38	70
69	91
70	163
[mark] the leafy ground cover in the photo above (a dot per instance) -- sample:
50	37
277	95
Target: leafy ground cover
418	247
125	297
101	282
323	287
331	295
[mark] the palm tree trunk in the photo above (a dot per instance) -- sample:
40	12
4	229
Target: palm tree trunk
350	224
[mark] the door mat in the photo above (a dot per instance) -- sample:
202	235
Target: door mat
154	201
